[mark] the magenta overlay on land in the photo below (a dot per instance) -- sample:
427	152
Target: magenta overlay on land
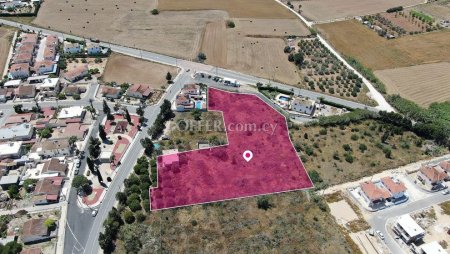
222	173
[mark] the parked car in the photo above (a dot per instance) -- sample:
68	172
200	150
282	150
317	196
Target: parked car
76	171
94	212
445	192
77	162
380	234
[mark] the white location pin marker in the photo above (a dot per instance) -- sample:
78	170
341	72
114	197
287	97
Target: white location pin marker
248	155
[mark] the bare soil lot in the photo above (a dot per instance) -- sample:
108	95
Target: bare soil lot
324	10
5	44
423	84
353	39
235	8
440	9
254	46
126	69
132	24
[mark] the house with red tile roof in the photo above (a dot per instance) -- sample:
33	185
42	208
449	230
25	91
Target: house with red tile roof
54	167
445	165
77	73
15	119
35	231
25	57
183	103
139	91
26	91
111	92
395	187
431	176
45	67
374	194
25	49
6	94
29	39
47	190
19	71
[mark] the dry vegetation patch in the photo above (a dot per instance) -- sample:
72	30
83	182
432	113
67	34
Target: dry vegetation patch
346	153
5	44
423	84
292	225
323	10
439	9
355	40
235	8
126	69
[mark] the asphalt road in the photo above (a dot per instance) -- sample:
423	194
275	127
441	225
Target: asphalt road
380	219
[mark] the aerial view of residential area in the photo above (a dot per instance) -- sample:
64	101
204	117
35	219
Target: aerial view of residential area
225	126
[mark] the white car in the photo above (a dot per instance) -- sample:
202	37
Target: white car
445	192
77	162
380	234
94	212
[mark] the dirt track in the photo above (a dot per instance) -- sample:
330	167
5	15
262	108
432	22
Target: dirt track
5	44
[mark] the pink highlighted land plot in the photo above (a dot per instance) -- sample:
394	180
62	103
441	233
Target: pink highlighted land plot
221	173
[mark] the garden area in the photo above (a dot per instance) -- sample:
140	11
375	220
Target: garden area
189	129
323	72
399	23
358	144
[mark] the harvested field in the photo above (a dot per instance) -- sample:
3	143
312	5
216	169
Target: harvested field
235	8
423	84
5	44
132	24
254	46
325	10
353	39
270	27
126	69
440	9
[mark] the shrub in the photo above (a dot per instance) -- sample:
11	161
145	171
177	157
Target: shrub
263	203
354	137
347	147
230	24
349	158
323	131
128	217
362	147
155	12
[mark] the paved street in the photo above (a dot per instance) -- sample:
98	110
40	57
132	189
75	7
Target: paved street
82	229
379	219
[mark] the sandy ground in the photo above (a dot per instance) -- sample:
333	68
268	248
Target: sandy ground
351	38
438	230
423	84
5	44
173	33
324	10
121	69
342	211
254	46
366	243
236	8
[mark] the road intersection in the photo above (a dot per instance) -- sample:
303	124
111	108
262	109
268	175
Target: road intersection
82	229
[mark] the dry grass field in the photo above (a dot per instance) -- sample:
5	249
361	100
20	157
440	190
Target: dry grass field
353	39
5	44
235	8
423	84
439	10
294	223
254	46
126	69
173	33
324	10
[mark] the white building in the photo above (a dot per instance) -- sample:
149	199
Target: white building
12	83
432	248
72	48
407	229
72	112
303	105
49	84
17	132
11	150
52	148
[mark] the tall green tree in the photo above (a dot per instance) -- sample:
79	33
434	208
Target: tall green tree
148	146
101	132
94	147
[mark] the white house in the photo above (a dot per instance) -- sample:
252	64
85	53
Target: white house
303	105
93	48
72	48
12	83
11	150
49	84
72	112
432	248
395	187
408	230
17	132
